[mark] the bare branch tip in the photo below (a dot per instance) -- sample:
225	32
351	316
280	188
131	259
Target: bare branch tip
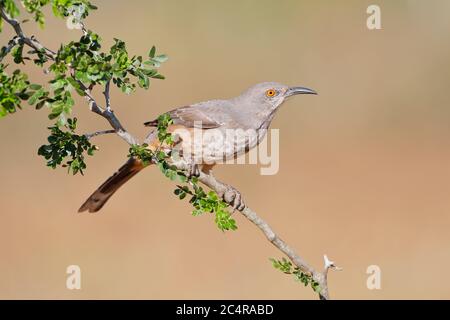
328	264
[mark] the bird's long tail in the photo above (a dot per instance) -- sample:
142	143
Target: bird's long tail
98	199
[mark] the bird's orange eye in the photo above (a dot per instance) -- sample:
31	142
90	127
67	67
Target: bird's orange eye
270	92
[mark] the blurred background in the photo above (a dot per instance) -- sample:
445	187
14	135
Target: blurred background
364	167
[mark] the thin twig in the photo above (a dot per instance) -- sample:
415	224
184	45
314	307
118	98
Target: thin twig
98	133
83	28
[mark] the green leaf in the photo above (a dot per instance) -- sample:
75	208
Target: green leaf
38	94
40	104
161	58
35	86
152	52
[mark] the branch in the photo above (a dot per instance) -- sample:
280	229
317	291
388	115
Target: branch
30	41
108	114
98	133
107	98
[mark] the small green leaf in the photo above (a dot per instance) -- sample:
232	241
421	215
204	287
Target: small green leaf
35	86
152	52
38	94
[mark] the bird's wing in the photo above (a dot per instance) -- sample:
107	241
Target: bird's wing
190	117
193	117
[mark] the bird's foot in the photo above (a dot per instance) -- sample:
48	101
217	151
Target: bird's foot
193	170
234	198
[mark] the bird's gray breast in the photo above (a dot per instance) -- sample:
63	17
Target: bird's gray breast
222	144
240	133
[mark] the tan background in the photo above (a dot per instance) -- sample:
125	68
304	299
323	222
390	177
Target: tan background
364	173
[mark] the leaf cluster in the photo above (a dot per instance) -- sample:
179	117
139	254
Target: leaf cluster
60	8
77	66
67	146
286	267
164	136
90	66
15	89
207	203
80	65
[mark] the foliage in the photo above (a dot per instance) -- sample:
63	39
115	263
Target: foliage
77	67
64	144
90	66
60	8
15	89
164	121
286	267
207	203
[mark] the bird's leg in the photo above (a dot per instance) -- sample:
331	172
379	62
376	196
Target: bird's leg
233	197
193	170
228	193
178	157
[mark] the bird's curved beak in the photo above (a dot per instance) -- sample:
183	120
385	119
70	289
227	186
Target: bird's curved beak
299	90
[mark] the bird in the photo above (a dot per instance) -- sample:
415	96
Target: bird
200	129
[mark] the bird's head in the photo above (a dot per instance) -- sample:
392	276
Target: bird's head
273	94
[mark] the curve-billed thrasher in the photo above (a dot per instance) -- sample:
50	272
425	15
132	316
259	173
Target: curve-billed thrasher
248	116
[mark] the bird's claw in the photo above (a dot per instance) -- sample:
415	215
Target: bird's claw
193	170
234	198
